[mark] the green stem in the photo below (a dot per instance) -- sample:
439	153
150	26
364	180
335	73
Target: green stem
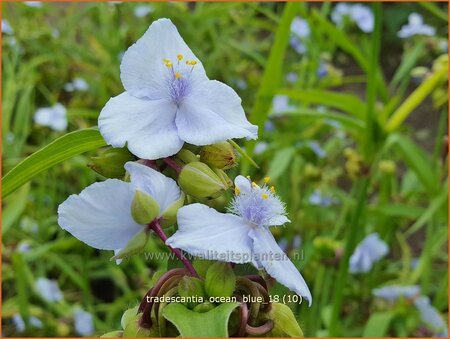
360	196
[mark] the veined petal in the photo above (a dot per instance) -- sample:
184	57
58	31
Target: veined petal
163	189
146	125
212	112
276	263
100	215
143	71
204	232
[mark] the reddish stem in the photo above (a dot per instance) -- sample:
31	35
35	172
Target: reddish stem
173	164
156	227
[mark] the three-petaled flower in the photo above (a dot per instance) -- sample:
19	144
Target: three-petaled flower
241	236
101	215
169	100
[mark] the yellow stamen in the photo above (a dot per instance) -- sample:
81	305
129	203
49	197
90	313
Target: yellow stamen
254	185
165	60
265	196
237	191
272	189
169	64
180	56
193	62
266	180
177	75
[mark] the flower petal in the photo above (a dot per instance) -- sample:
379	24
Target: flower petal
243	184
204	232
100	215
211	113
147	125
276	263
163	189
142	70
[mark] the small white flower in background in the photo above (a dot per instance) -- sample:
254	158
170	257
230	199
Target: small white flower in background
280	104
241	84
54	117
316	198
299	32
77	84
35	4
431	317
415	26
6	27
106	222
169	100
48	289
260	147
241	236
291	77
143	10
83	322
361	15
23	247
269	126
394	292
315	147
19	323
367	253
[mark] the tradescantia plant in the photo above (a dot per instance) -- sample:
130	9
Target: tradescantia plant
167	167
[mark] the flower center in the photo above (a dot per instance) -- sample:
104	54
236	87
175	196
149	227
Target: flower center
178	77
259	205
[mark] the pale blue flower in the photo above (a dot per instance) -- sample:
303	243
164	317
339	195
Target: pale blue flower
84	322
169	100
241	84
280	104
269	126
297	45
54	117
106	222
242	235
415	26
6	27
316	198
431	317
34	4
394	292
77	84
260	147
322	70
291	77
23	247
368	252
300	27
19	323
361	15
315	147
48	289
143	10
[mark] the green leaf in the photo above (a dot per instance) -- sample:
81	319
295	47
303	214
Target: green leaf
14	206
378	325
54	153
280	162
213	323
408	62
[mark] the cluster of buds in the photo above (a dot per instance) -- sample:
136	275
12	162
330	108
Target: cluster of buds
255	314
353	165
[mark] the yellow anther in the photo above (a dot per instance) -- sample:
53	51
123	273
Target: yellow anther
177	75
169	64
265	196
272	189
193	62
254	185
266	180
237	191
165	60
180	56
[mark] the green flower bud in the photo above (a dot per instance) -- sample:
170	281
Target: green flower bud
169	216
133	330
144	208
201	266
285	324
110	163
187	156
387	167
198	180
220	155
204	307
128	316
191	287
224	177
113	334
135	245
220	280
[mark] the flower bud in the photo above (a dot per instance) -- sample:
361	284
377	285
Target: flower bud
128	316
134	246
169	216
198	180
220	280
224	177
204	307
220	155
387	167
134	330
187	156
191	287
144	208
110	163
285	324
